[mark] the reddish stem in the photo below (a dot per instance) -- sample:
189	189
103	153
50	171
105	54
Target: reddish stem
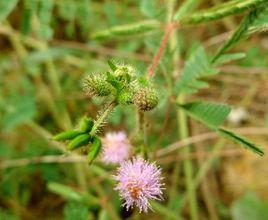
158	55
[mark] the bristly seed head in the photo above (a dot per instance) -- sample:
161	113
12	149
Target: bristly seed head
96	85
146	99
138	182
124	69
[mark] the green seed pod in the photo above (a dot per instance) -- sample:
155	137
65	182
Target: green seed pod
81	140
86	125
146	99
96	85
125	98
144	27
94	149
66	135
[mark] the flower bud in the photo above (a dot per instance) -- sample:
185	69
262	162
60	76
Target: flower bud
96	85
125	70
146	99
124	74
125	98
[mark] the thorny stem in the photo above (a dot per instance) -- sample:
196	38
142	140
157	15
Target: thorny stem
160	50
102	117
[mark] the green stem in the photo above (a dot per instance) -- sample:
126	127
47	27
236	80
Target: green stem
142	134
104	202
175	59
183	128
167	213
101	119
204	169
187	164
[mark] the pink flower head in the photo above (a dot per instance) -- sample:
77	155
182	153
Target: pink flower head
139	181
116	147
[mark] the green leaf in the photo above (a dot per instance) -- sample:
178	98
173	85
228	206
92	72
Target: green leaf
260	24
67	10
65	191
148	8
71	194
226	58
28	10
240	140
45	14
75	211
209	113
129	30
198	65
223	10
185	8
52	53
6	7
20	109
110	10
249	207
213	115
84	16
6	214
240	32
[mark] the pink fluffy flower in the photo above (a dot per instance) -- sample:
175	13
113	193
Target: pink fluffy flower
116	147
139	181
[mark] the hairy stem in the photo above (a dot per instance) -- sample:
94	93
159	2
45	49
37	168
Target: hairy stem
160	50
101	119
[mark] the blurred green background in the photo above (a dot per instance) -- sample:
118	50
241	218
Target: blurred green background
47	48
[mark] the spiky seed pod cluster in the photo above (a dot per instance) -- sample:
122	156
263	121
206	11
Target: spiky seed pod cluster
113	82
80	139
146	99
95	84
124	84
